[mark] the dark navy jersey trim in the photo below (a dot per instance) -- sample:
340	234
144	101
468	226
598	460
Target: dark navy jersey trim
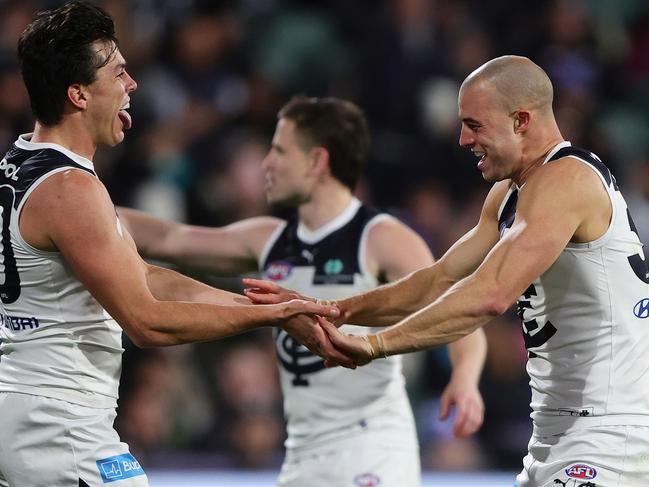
334	260
506	218
32	165
342	244
590	158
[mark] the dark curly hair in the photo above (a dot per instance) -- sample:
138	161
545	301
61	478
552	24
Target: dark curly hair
56	50
337	125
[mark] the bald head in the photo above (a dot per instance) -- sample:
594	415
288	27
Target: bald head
519	83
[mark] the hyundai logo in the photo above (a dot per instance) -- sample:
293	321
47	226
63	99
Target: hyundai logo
641	308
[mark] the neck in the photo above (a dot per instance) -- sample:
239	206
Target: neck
536	152
66	134
327	202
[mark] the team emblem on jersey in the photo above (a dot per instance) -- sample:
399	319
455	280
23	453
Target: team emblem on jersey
581	471
367	480
278	270
641	308
296	359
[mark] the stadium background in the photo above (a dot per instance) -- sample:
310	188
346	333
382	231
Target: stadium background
212	75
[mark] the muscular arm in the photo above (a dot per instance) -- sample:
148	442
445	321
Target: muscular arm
229	250
563	201
575	209
71	212
168	285
388	304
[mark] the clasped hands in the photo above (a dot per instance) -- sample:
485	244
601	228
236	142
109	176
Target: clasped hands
323	338
315	332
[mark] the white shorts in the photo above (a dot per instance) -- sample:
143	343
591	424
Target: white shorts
368	460
48	442
604	456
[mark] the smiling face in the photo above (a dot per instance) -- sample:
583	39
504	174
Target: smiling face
489	131
290	175
108	97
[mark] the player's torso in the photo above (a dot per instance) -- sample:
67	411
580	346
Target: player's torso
55	338
584	322
328	264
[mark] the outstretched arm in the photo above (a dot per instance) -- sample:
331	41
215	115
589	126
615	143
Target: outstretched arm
577	208
71	212
388	304
229	250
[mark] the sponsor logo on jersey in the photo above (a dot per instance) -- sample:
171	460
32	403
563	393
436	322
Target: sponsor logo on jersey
10	170
119	467
18	323
581	471
641	308
367	480
333	267
278	271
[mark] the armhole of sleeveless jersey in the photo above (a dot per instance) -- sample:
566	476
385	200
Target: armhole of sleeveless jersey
614	213
362	247
269	245
16	222
504	201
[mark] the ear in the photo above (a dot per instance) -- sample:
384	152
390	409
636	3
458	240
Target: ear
522	119
320	159
78	96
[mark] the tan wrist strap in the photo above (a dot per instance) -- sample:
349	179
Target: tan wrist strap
372	350
377	346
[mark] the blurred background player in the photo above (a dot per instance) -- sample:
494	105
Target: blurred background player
343	426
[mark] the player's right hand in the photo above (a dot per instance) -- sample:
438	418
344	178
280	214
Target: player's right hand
267	292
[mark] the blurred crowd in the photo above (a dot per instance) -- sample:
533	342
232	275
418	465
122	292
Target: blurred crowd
212	75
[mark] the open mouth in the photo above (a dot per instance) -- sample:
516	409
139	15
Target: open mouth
481	155
125	117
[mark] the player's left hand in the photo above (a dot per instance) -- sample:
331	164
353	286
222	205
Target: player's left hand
469	407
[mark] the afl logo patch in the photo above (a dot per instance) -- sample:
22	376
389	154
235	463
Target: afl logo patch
641	308
278	271
367	480
581	471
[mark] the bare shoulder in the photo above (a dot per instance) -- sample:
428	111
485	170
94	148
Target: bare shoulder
67	187
394	249
68	199
568	191
495	198
387	228
566	178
